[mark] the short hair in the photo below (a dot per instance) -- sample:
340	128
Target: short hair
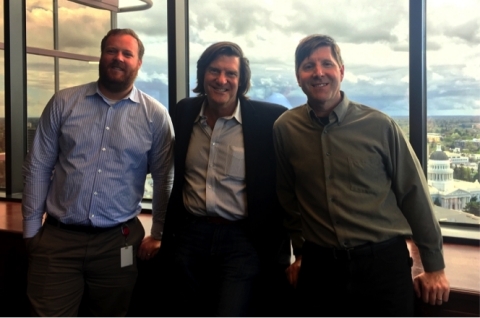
312	42
214	51
115	32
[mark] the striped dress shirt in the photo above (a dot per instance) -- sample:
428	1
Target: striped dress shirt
89	160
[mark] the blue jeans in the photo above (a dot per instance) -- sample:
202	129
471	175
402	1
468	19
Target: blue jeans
215	266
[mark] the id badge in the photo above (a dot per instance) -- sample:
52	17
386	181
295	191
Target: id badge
126	256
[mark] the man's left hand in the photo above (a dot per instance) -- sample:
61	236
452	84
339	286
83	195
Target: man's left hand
149	248
432	287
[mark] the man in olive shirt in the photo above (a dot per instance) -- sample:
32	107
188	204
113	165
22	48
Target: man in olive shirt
353	190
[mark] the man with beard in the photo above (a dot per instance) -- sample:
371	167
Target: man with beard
85	173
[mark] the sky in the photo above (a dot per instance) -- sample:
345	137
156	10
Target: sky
373	37
372	34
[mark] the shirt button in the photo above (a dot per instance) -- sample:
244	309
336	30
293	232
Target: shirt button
107	128
95	193
213	143
209	187
103	149
99	170
93	216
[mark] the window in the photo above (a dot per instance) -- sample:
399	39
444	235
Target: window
373	37
453	129
60	57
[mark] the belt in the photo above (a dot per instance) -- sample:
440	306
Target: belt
369	249
82	228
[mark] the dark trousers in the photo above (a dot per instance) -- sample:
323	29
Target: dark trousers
378	284
64	264
215	269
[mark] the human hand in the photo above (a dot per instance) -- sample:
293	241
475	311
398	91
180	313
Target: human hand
148	248
432	287
293	270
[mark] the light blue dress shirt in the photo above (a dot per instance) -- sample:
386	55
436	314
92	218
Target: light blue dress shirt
89	160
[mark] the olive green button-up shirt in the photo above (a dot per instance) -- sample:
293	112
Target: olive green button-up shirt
353	181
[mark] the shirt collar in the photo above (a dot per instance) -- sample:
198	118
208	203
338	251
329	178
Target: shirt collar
237	114
337	114
133	96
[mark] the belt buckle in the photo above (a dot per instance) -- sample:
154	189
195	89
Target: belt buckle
348	250
347	253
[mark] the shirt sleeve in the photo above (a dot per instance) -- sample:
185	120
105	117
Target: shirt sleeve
162	170
38	168
286	191
411	189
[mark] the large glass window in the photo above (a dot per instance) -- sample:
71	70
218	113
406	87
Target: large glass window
453	130
50	37
373	37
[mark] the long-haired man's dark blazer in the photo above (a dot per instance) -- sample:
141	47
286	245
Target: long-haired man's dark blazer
265	214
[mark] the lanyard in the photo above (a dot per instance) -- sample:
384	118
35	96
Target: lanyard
125	230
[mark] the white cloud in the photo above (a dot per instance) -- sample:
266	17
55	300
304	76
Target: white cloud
148	77
373	36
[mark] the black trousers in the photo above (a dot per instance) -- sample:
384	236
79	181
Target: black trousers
216	267
377	283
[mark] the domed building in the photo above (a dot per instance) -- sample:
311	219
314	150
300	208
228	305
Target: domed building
444	190
440	175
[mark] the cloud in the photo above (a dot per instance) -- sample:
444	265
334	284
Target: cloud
433	45
149	24
373	36
455	20
468	31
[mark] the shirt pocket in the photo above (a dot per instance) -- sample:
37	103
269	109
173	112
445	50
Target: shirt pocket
235	165
366	174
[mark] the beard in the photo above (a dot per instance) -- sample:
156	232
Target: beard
116	84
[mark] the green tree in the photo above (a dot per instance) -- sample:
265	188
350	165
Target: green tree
456	172
463	173
473	206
